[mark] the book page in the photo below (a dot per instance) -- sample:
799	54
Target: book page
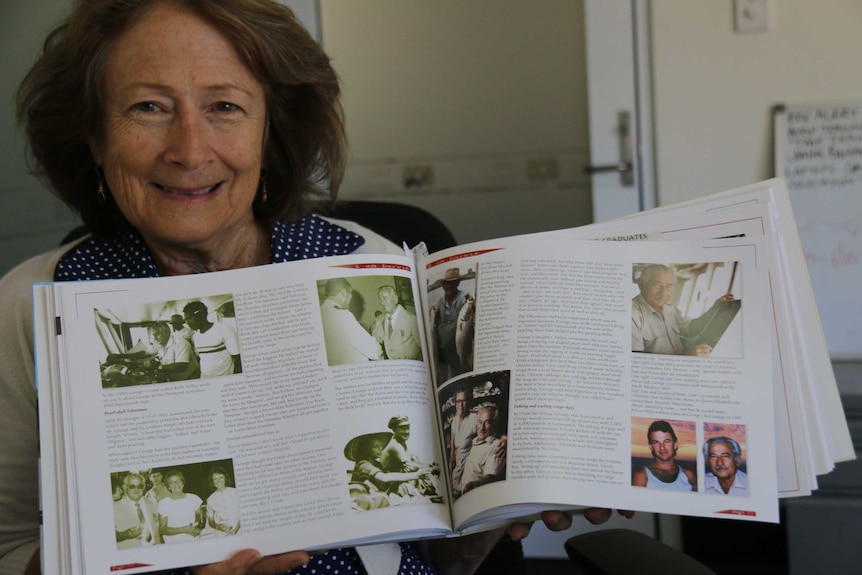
811	428
554	371
795	430
305	422
811	361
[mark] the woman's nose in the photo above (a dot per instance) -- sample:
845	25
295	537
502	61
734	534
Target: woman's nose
188	143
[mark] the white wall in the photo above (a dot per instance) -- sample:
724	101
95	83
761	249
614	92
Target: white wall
714	89
486	98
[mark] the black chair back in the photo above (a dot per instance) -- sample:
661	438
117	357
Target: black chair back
397	222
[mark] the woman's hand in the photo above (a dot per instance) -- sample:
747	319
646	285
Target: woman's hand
250	562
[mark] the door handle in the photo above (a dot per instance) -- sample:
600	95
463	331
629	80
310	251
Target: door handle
621	167
625	166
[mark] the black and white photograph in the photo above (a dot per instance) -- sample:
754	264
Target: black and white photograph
168	341
173	504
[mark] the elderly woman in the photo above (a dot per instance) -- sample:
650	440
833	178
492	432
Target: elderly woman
180	514
191	136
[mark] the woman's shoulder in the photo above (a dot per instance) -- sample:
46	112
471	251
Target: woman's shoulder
16	287
36	269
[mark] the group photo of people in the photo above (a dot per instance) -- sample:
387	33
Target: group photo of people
386	473
168	341
664	456
452	320
369	318
474	412
172	504
687	308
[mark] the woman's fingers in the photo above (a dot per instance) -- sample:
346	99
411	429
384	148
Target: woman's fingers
597	515
557	520
250	562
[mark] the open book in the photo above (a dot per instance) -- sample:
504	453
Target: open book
367	398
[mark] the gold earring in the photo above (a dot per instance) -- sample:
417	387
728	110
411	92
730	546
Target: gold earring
263	195
100	193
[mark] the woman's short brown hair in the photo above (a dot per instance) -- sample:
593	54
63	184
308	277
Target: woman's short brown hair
60	103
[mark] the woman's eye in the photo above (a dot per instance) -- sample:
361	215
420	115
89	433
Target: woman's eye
146	107
225	107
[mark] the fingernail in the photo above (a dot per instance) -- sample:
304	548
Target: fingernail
253	559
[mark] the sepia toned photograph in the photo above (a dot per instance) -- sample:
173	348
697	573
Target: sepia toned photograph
452	320
369	318
173	504
386	473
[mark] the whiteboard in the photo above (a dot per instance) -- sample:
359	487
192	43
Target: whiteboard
818	150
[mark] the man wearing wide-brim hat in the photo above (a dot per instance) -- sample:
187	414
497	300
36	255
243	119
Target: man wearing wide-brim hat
444	322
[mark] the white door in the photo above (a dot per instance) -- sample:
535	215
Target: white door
618	78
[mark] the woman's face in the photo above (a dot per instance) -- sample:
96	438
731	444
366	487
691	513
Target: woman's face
175	484
218	481
376	448
184	129
461	403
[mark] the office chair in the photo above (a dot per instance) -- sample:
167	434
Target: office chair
626	551
398	223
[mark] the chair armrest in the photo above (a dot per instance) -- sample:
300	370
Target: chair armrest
625	551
